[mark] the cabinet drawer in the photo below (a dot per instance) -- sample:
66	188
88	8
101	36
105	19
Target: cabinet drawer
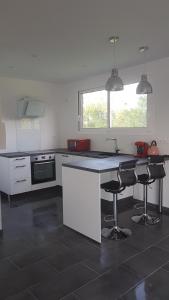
20	172
20	161
20	186
20	169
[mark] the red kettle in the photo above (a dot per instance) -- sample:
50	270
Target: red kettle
153	149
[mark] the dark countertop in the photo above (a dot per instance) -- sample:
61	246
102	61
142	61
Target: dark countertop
103	165
36	152
92	154
14	154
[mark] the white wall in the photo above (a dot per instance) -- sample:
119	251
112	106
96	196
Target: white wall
158	118
60	121
39	134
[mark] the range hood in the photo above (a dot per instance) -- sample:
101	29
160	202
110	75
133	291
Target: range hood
30	108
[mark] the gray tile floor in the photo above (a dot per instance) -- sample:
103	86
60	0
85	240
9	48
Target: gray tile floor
40	259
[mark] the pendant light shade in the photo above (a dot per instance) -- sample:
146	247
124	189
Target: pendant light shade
114	83
144	87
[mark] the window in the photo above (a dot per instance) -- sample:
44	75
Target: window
123	109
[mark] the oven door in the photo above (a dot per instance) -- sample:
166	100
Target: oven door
43	171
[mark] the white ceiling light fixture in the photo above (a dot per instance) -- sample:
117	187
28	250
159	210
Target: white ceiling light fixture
114	83
144	86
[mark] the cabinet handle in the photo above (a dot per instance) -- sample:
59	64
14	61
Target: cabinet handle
20	166
22	180
22	158
65	155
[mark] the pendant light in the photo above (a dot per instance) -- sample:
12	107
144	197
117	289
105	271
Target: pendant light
144	87
114	83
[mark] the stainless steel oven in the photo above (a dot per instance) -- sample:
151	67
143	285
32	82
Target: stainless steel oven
43	168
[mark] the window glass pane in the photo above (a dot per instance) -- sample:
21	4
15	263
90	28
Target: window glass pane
94	108
127	109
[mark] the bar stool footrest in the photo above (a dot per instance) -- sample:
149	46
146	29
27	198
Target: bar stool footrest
145	219
109	218
116	233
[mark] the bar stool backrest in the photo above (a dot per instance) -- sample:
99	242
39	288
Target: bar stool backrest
127	175
155	167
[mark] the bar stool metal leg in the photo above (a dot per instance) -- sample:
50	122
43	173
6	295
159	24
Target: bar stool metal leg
145	218
9	200
118	233
160	195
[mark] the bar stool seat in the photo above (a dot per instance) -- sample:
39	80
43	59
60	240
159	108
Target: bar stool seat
155	171
126	177
143	178
112	186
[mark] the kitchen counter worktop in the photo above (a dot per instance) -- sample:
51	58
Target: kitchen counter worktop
14	154
30	153
93	154
103	165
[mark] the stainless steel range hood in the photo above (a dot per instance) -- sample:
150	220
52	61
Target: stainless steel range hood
30	108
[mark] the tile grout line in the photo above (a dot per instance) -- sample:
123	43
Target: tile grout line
36	284
72	293
123	294
15	265
83	263
29	265
152	245
9	258
165	269
167	250
117	267
21	293
30	292
99	275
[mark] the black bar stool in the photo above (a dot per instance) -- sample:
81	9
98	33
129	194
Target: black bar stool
126	177
155	171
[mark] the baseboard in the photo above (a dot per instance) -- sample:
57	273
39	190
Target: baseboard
123	204
55	190
154	207
128	203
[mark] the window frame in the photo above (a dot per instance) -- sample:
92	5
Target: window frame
131	130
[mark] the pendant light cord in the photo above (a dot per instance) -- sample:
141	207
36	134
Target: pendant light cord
114	55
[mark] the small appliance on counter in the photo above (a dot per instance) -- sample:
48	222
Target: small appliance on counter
142	148
153	149
78	145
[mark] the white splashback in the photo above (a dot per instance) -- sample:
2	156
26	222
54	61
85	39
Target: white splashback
19	135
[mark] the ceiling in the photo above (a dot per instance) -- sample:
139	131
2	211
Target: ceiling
66	40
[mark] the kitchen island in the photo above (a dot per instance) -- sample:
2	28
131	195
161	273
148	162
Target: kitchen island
82	194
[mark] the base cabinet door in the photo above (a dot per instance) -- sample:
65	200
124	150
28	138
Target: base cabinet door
20	186
65	158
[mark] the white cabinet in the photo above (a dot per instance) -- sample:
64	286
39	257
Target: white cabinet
65	158
166	185
16	176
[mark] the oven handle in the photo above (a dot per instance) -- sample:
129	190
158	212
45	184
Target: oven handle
45	162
